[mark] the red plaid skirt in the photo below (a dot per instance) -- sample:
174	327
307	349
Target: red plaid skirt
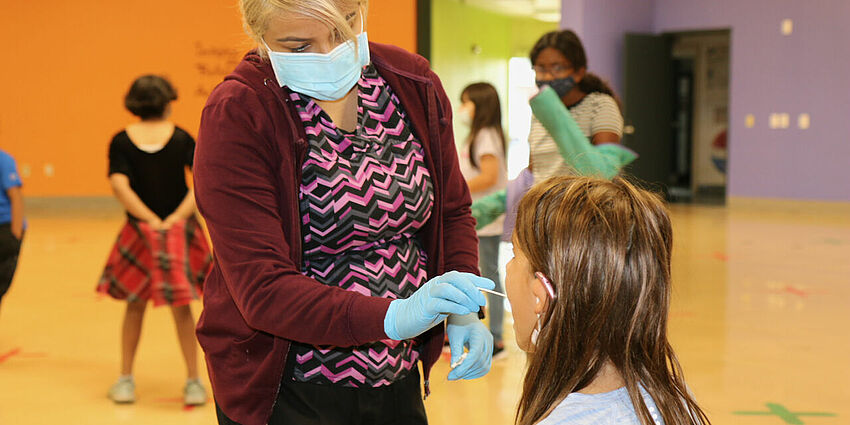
166	266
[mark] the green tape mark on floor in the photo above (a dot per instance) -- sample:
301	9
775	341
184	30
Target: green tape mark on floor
786	415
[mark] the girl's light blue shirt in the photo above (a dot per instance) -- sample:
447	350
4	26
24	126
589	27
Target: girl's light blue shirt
611	408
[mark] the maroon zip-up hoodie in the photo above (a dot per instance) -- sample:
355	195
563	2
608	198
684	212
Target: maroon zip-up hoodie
251	146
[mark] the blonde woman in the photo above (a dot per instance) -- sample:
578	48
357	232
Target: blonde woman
327	173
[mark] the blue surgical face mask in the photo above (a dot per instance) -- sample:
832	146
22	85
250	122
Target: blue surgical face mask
323	76
562	86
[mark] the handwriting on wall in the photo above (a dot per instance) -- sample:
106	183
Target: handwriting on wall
212	64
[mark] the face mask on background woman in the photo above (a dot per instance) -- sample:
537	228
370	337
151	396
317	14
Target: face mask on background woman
562	86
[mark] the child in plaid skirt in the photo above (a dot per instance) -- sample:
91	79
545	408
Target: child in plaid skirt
161	254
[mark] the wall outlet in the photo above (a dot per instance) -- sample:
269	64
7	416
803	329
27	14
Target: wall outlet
26	170
779	121
750	121
787	27
49	171
804	121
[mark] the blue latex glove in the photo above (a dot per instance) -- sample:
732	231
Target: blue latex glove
450	293
467	331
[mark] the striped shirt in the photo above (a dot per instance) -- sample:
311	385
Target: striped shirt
595	113
611	408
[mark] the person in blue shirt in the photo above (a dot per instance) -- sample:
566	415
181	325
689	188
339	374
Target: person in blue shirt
11	220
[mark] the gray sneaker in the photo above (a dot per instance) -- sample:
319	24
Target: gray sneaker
123	391
194	393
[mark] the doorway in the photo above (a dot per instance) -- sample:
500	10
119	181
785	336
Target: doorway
676	97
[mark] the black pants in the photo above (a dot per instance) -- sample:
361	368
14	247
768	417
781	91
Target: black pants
309	404
10	247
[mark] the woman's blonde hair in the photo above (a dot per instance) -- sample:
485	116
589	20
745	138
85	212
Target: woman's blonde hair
256	15
606	247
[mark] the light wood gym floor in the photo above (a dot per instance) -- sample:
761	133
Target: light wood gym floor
759	321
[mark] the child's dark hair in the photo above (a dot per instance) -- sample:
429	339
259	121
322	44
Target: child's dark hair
488	113
568	43
149	96
606	248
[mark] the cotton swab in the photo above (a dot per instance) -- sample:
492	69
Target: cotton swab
492	292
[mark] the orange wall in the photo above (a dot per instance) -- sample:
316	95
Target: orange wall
393	22
67	65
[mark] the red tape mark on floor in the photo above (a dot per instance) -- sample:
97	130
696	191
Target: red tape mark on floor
10	354
720	256
795	291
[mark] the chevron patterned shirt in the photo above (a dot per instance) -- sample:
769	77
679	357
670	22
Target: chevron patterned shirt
364	195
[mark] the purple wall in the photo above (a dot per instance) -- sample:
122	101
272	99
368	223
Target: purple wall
806	72
572	15
604	22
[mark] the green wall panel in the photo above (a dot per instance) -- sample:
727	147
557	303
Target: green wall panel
470	44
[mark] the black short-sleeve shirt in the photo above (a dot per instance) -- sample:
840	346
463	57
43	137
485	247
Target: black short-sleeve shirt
159	177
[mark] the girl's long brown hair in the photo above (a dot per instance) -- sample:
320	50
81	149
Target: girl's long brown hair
606	247
488	113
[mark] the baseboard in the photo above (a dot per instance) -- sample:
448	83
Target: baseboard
72	205
789	205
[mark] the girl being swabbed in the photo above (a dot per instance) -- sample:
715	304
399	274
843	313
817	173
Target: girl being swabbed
590	290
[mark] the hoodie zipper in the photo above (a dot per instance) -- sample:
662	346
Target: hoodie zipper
298	141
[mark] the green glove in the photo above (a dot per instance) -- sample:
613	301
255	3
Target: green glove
587	160
489	208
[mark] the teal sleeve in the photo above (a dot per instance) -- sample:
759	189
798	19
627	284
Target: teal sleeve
489	208
585	158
